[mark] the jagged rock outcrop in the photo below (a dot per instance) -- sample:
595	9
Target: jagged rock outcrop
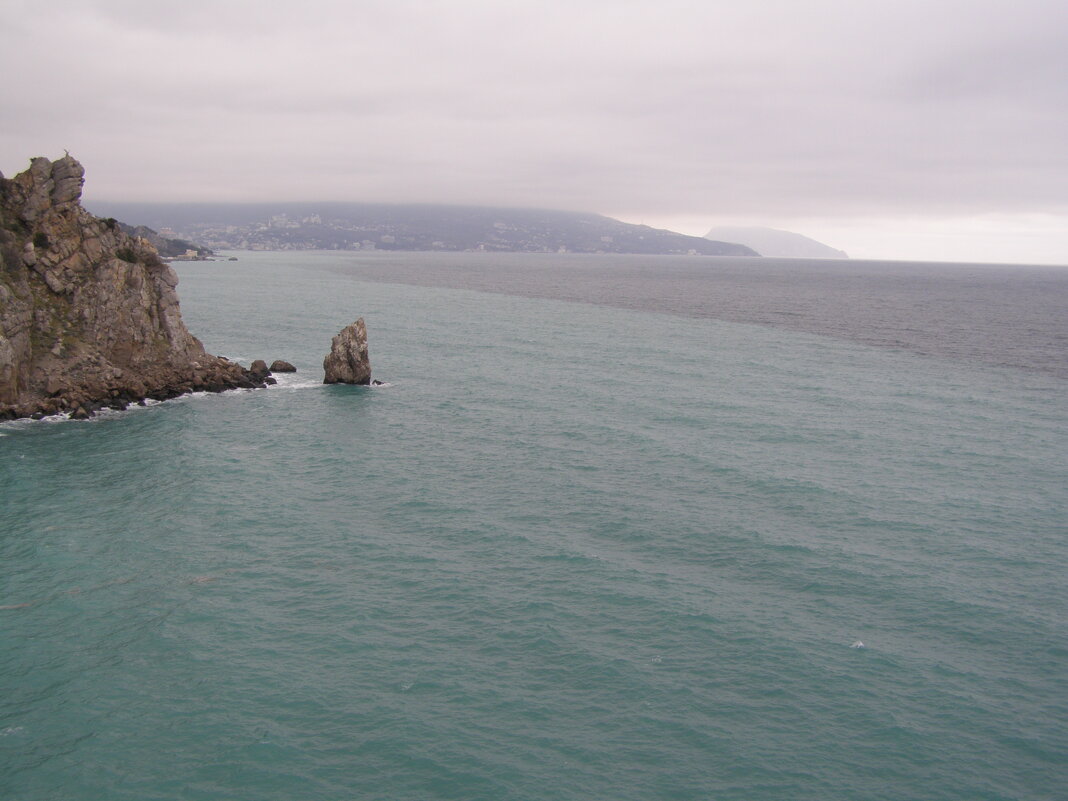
259	372
89	316
348	361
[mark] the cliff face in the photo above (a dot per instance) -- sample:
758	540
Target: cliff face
89	316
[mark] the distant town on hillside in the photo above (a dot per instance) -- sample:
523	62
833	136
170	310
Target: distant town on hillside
365	226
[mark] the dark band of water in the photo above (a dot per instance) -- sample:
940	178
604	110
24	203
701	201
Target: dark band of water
1006	316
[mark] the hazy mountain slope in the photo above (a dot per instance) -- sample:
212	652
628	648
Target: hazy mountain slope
359	226
772	242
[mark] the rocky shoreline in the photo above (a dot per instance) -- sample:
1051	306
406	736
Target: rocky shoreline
89	315
81	399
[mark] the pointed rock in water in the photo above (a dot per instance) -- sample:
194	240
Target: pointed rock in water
348	362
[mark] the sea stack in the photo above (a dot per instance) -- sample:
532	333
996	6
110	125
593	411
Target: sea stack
348	362
89	315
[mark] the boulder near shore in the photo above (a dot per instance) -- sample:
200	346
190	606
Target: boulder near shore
89	315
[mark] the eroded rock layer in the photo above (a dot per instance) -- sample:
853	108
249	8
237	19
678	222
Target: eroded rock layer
89	316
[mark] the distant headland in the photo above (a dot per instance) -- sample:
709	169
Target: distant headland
774	243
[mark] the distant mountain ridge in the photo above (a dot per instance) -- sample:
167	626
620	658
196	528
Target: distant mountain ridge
774	243
370	226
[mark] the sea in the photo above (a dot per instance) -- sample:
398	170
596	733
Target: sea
613	528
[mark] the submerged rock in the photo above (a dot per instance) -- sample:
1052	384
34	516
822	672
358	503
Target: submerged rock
89	315
348	361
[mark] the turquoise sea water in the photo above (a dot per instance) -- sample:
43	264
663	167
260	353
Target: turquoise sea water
570	551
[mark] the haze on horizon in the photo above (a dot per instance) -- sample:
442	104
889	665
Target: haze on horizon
915	130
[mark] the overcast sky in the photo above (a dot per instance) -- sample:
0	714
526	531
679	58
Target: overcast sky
933	129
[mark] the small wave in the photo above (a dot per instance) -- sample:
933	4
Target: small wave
291	383
108	412
100	414
23	422
857	644
287	381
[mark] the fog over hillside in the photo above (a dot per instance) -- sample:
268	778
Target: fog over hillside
905	130
776	243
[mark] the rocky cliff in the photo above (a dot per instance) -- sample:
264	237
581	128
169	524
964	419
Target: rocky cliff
89	315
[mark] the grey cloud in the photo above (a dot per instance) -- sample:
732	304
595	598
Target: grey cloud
771	108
